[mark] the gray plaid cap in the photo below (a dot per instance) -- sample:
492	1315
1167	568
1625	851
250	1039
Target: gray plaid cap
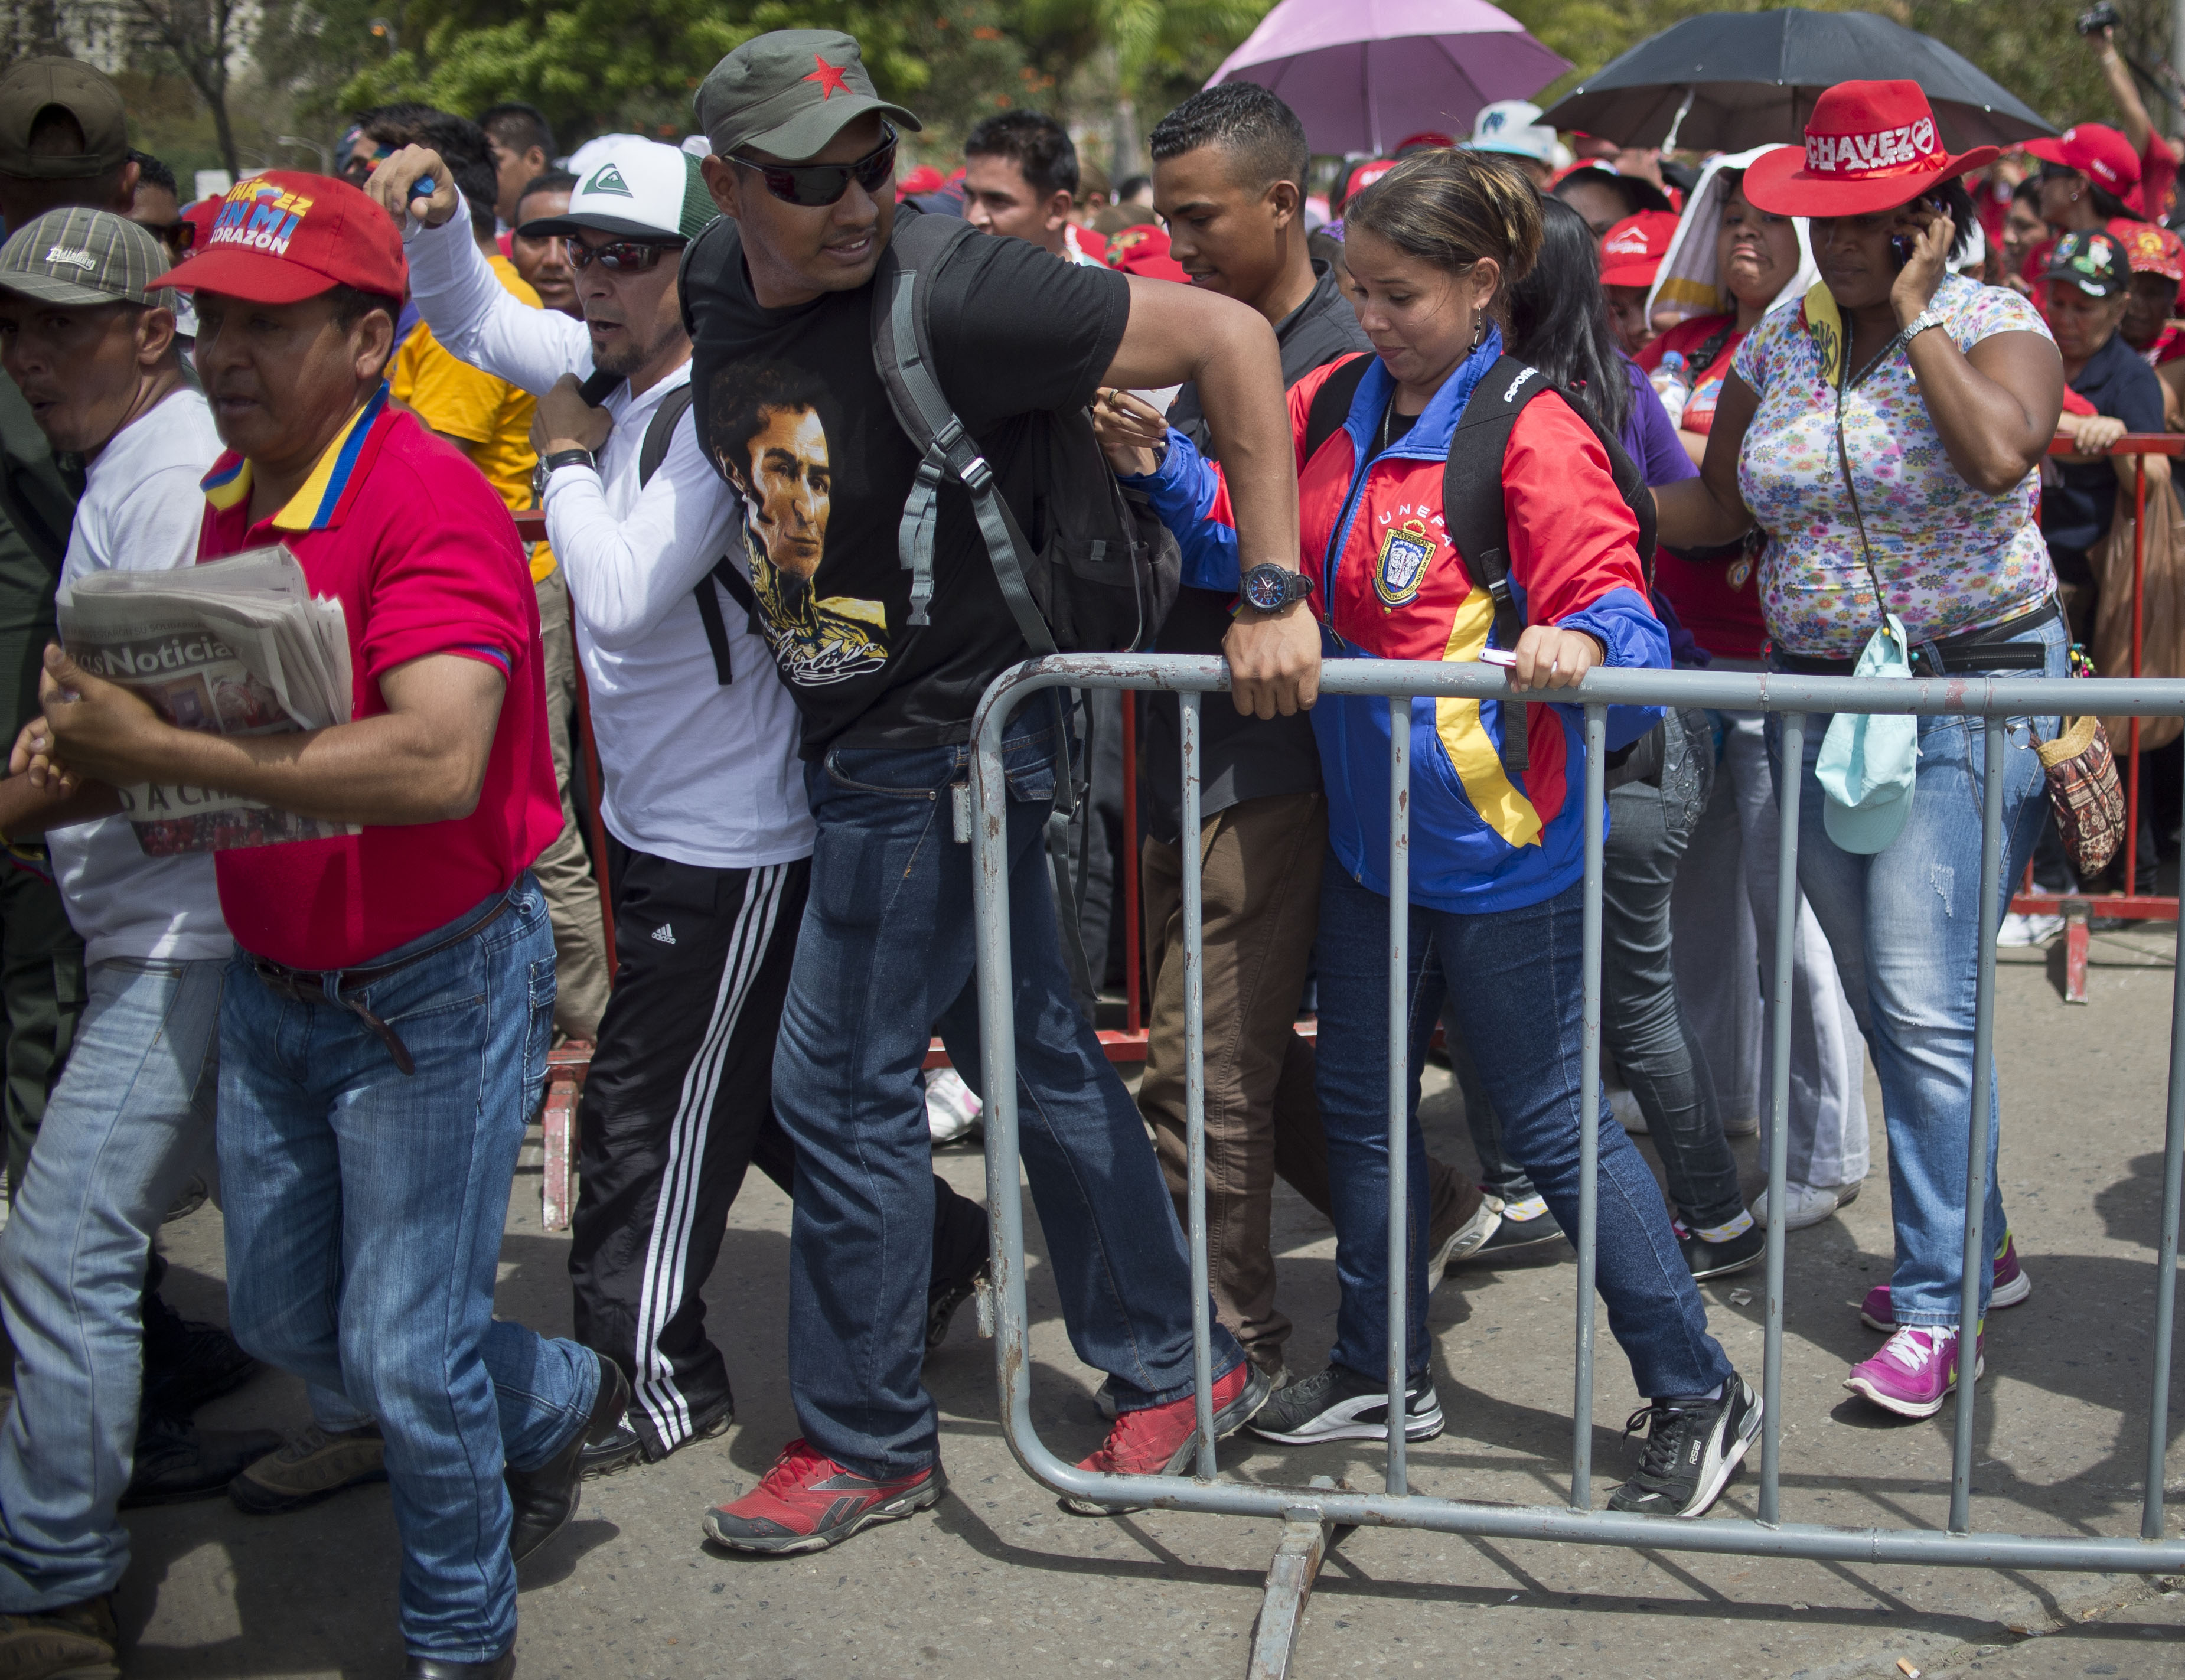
83	257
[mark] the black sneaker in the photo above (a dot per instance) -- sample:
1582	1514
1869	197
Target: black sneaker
1524	1224
1692	1447
1719	1259
187	1363
944	1297
621	1446
1339	1405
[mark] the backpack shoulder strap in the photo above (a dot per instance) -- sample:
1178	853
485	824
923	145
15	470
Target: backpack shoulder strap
903	355
660	431
1331	402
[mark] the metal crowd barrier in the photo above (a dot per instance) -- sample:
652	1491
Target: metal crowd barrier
1312	1514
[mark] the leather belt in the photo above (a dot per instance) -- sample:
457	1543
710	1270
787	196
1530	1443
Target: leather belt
1988	649
312	985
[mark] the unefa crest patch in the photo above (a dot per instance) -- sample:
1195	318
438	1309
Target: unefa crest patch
1405	552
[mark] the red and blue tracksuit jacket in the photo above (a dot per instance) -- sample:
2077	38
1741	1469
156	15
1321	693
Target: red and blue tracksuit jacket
1388	583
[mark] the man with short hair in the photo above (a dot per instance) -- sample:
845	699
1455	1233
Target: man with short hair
708	835
1020	179
87	336
157	203
780	306
386	1020
544	262
523	144
1229	167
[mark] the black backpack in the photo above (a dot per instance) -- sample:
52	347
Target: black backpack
659	433
1472	502
1106	570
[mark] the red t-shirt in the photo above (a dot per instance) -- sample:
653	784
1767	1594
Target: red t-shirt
1718	600
2157	177
424	559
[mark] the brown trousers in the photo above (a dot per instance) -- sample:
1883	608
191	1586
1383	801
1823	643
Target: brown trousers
564	869
1259	866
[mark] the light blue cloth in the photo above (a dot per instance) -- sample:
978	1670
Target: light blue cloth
1868	762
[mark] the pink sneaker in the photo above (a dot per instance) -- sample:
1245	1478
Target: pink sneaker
2011	1285
1914	1371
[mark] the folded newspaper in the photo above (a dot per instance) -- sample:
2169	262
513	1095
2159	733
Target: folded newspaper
233	647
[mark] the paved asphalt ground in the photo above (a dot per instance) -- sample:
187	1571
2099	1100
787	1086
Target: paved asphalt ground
997	1583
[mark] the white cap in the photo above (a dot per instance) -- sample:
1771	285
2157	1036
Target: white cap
640	188
1513	127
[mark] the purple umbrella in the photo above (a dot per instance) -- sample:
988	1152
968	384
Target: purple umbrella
1363	74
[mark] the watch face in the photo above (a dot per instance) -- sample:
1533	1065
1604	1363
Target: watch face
1264	588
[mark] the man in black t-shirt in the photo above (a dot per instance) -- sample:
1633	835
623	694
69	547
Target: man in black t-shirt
780	309
1229	167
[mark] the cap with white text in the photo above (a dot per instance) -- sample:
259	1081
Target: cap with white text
83	258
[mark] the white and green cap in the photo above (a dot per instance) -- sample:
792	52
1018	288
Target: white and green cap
84	258
642	190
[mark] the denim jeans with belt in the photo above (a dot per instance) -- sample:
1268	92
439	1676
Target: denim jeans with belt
1907	925
885	956
365	1208
1515	981
130	1121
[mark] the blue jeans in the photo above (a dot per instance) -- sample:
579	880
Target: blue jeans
1907	925
365	1209
1515	979
129	1122
884	957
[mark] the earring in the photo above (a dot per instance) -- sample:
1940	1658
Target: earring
1478	329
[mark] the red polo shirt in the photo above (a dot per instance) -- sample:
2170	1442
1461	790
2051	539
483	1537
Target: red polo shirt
424	560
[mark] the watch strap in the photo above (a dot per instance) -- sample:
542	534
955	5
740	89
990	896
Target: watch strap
1930	316
562	458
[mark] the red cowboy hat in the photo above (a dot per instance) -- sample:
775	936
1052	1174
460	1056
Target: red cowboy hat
1869	146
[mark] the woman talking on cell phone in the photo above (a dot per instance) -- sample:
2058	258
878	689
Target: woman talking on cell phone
1885	435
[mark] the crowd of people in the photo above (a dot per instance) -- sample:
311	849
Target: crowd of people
824	446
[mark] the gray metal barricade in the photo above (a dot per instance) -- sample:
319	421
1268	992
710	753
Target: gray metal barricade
1310	1513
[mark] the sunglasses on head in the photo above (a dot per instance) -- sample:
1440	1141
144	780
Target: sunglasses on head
816	185
623	256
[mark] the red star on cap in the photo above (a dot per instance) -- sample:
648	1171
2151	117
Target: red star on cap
830	78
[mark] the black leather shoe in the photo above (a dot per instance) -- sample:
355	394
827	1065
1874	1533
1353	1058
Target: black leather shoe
176	1460
188	1363
545	1499
502	1667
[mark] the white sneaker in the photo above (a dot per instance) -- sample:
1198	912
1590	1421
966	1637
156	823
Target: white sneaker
952	1108
1465	1240
1625	1107
2021	930
1806	1204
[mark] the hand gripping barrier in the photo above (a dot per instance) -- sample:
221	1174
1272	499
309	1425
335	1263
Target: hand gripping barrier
1311	1513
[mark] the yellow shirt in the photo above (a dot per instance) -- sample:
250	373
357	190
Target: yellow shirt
465	403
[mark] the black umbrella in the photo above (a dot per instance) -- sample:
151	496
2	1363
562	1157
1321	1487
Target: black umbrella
1730	80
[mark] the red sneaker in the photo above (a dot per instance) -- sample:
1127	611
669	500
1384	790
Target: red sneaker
807	1503
1162	1440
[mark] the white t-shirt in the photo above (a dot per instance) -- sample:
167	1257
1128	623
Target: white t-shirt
140	512
695	771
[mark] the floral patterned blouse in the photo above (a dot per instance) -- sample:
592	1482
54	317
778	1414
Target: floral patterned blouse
1951	558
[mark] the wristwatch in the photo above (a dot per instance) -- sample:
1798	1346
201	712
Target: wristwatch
560	458
1930	316
1271	587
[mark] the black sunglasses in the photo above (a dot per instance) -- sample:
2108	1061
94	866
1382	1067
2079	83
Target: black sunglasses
816	185
177	236
623	256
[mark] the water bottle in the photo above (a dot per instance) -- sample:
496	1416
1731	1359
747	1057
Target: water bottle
1673	385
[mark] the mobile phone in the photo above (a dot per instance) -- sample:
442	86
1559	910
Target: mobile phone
1901	244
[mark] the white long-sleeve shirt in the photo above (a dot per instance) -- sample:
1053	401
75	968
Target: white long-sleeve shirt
694	771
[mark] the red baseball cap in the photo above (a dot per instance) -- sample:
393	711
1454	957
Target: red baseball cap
1631	252
1142	249
1869	146
924	179
2150	250
1365	175
2098	153
285	236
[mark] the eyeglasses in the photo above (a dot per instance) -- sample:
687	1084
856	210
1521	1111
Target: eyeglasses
357	171
177	236
814	185
623	256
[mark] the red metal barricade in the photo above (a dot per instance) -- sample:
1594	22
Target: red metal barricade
2078	911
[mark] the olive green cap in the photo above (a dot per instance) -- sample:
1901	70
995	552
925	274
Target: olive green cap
788	93
32	87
